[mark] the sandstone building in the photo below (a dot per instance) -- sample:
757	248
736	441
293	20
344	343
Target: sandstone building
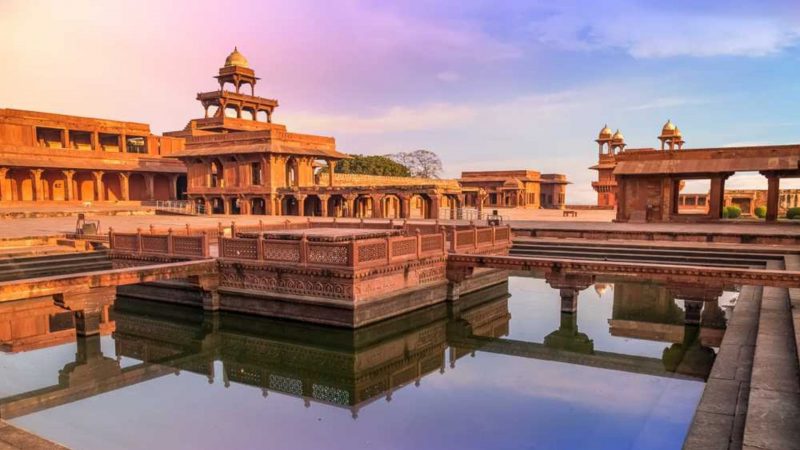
514	189
57	158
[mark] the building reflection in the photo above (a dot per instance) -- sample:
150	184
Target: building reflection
349	368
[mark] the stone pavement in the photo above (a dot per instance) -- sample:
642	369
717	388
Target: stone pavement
13	438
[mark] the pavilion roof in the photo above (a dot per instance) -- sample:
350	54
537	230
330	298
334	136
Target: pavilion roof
223	148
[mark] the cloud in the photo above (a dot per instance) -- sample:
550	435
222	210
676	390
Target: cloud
658	32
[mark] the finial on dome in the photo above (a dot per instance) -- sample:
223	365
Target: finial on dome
236	59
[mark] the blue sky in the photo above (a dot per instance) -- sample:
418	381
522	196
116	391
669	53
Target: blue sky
486	84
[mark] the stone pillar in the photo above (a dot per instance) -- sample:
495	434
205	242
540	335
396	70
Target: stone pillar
716	197
279	205
3	173
149	180
226	205
377	206
331	166
349	204
323	199
693	311
405	206
773	193
68	174
301	204
208	206
124	185
173	187
268	205
65	139
87	322
436	201
569	300
96	141
37	184
98	185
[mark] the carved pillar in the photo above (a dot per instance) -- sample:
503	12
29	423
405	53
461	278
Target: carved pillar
98	183
268	205
149	180
279	205
693	310
349	205
323	199
405	205
716	197
436	201
96	141
68	192
301	204
773	194
331	166
226	205
87	322
124	185
65	139
37	184
377	206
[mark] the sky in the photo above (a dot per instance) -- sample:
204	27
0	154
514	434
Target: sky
484	84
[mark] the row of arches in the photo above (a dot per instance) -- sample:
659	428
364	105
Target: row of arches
239	112
75	185
388	206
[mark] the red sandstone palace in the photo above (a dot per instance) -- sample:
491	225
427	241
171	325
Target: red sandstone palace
644	184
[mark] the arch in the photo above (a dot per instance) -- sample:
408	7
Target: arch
212	110
312	206
258	206
292	172
54	184
232	112
363	206
161	187
289	206
137	187
235	205
420	206
336	206
248	114
391	206
262	116
84	186
216	173
112	186
21	185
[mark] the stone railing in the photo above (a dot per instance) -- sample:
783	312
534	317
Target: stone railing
350	252
171	244
471	239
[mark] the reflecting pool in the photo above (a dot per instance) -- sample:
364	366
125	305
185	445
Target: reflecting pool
503	368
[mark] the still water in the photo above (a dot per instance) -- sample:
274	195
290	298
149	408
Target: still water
505	370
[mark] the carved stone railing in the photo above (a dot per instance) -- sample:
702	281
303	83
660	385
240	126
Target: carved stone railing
342	252
170	244
472	239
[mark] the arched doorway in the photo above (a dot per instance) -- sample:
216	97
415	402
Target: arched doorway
336	206
312	207
54	184
289	206
391	207
113	190
21	185
84	186
292	172
216	173
420	206
137	187
258	206
363	206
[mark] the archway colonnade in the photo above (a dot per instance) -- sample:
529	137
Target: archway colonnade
57	185
383	205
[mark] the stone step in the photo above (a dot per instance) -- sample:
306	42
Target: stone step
13	275
59	258
688	260
648	250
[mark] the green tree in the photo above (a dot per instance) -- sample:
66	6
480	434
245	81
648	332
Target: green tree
371	165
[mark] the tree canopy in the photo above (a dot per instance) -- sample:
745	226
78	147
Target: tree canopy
421	163
372	165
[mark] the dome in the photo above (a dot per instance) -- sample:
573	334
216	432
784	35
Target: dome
618	137
236	59
678	132
605	133
669	129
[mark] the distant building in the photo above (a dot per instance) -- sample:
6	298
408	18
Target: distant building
58	158
514	189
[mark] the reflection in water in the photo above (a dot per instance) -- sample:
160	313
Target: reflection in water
350	369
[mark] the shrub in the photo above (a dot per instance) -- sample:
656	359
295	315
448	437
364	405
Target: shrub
761	212
793	213
731	212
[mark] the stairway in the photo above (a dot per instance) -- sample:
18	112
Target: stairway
23	267
655	254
